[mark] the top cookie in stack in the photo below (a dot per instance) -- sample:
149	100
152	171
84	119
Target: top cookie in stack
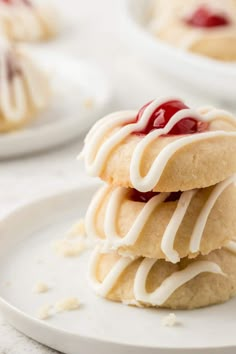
165	147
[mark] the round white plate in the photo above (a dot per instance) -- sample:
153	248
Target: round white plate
81	95
214	78
98	326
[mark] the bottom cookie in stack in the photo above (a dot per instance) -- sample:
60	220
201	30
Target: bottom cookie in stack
191	283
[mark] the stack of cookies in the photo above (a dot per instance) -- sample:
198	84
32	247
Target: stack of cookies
163	227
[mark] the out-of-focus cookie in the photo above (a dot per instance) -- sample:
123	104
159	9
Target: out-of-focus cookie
28	20
24	87
203	27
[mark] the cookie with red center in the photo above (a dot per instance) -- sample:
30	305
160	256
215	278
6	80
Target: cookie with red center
164	147
28	20
154	225
207	29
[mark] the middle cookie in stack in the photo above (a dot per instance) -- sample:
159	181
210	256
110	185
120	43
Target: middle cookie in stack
157	247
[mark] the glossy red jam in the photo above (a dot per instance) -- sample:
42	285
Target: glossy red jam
205	17
137	196
161	116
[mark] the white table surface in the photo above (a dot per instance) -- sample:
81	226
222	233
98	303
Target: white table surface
94	35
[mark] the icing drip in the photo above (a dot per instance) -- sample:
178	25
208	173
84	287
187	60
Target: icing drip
106	286
113	240
200	224
22	86
231	246
162	293
115	128
168	239
171	283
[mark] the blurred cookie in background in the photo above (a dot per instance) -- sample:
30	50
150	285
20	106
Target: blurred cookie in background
28	20
205	27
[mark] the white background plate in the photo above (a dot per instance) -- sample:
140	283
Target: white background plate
214	78
74	82
99	326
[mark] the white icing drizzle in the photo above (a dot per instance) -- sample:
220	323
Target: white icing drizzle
167	12
231	246
25	89
168	239
115	128
27	21
113	240
171	283
162	293
108	283
200	224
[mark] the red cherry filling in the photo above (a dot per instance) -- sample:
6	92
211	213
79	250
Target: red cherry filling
205	17
161	116
9	2
137	196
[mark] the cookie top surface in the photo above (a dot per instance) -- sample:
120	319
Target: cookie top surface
165	147
166	226
207	28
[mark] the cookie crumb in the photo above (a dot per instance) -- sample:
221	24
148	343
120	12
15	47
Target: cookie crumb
69	304
44	312
76	230
69	248
88	102
170	320
40	288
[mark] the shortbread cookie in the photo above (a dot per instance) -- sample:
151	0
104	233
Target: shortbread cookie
204	27
24	88
164	147
165	225
28	20
204	281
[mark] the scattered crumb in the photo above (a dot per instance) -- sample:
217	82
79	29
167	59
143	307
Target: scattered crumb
44	312
69	248
170	320
76	230
40	288
88	102
132	303
69	304
8	283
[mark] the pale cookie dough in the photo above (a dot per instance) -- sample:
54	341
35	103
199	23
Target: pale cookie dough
204	281
198	221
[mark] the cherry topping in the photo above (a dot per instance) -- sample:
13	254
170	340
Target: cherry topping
205	17
9	2
137	196
162	114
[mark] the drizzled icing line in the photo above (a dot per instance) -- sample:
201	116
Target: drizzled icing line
162	293
25	90
231	246
114	241
116	127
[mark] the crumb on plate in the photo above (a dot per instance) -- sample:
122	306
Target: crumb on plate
69	304
169	320
44	312
40	288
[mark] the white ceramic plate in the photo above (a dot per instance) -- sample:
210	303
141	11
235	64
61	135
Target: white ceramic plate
211	77
99	326
76	84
